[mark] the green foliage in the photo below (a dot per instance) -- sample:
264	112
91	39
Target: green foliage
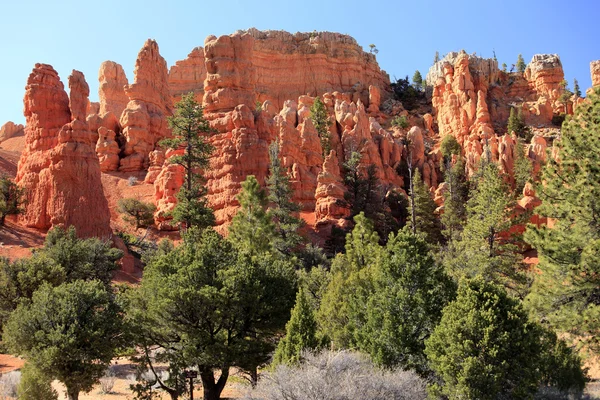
34	385
69	333
455	198
426	220
406	93
373	49
562	367
417	80
449	147
504	67
252	229
366	194
136	212
189	129
384	300
484	347
320	119
347	282
400	121
566	95
576	88
207	305
409	291
300	333
523	168
85	259
12	198
521	66
484	247
283	210
566	294
516	124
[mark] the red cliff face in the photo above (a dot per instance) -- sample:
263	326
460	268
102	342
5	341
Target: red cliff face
10	129
188	75
59	168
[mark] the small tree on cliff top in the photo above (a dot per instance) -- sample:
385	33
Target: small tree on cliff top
520	64
189	128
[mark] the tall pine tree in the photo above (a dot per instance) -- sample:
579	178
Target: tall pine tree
426	221
189	129
567	292
282	208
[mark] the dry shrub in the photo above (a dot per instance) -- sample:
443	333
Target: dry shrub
107	382
8	385
338	376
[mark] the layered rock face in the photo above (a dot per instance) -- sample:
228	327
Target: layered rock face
9	130
59	168
144	121
254	65
188	75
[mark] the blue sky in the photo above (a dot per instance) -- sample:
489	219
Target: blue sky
80	35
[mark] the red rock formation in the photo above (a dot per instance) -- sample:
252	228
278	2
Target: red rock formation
188	75
111	88
330	191
59	168
10	129
144	120
107	150
277	66
595	72
166	186
545	73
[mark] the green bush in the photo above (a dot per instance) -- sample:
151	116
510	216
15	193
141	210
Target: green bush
34	385
136	212
400	121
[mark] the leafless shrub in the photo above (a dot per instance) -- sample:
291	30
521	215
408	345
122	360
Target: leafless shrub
132	181
338	376
107	382
8	385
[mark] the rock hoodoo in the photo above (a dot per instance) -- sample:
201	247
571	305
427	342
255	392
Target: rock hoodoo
144	121
111	88
59	168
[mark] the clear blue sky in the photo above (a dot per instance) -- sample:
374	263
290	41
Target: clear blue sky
81	34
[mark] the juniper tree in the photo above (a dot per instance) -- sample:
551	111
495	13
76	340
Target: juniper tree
300	335
566	293
456	195
70	333
189	130
484	346
136	212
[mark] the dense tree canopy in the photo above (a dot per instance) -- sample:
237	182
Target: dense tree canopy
69	332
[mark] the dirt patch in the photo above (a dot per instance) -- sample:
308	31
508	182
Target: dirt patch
9	363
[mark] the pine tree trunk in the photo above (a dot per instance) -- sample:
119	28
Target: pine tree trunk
212	390
72	394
